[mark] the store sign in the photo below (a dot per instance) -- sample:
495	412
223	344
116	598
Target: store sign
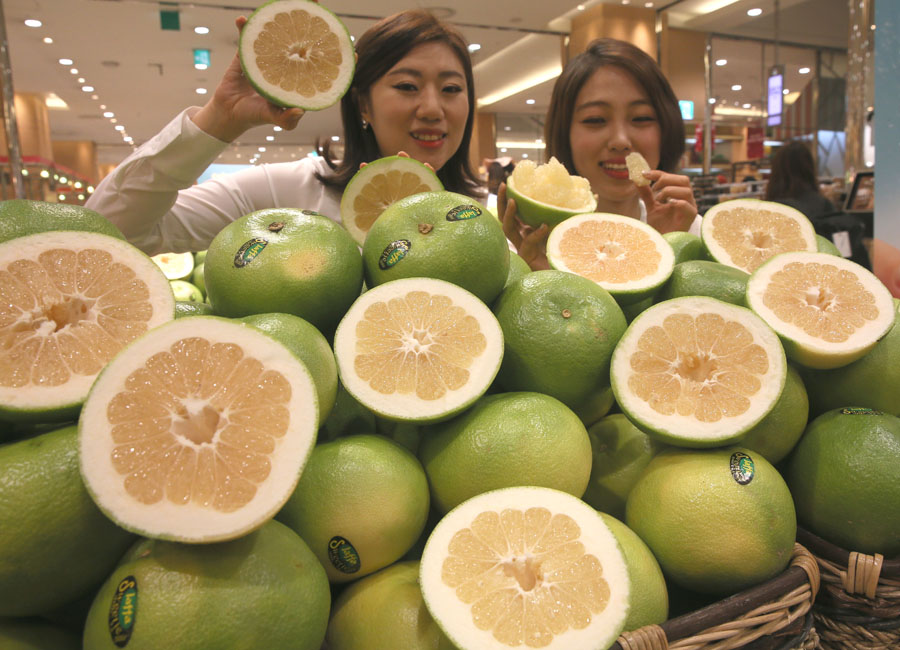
755	140
775	103
687	109
201	59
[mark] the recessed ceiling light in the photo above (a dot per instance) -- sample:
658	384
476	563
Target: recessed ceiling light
277	128
529	101
474	47
524	155
503	150
200	66
87	89
102	107
747	105
119	127
721	62
261	149
113	120
626	2
31	22
507	128
753	13
712	100
66	61
786	91
335	138
270	138
48	40
201	30
649	5
736	87
81	80
109	114
201	91
580	7
95	96
803	70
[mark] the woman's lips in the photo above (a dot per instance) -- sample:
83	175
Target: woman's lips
429	140
615	168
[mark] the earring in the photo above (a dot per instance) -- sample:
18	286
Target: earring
365	125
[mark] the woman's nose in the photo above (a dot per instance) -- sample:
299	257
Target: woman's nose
619	139
430	107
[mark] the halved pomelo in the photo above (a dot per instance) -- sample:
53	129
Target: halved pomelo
625	256
697	372
377	185
744	233
297	53
197	431
418	349
827	310
69	301
525	567
175	266
548	193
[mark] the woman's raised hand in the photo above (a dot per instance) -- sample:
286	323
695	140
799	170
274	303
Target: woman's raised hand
530	243
236	107
669	200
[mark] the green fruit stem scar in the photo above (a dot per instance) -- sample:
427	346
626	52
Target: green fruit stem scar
425	228
566	313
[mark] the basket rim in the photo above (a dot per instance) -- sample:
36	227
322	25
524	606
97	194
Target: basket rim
890	568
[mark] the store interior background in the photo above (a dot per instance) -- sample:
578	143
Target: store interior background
115	71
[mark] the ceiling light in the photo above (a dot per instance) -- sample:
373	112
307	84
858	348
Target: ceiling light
200	66
335	138
712	100
48	40
261	149
201	91
277	128
119	127
649	5
580	7
62	197
747	106
108	114
753	13
127	138
81	80
31	22
24	172
54	101
270	138
721	62
736	87
87	89
507	128
503	150
81	197
63	180
78	185
803	70
546	74
474	47
66	61
95	96
201	30
113	121
524	155
529	101
626	2
785	92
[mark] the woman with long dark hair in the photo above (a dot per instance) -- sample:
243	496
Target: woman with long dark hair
793	181
412	92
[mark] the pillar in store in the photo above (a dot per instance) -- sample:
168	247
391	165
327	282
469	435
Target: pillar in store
34	127
484	139
78	155
633	24
860	80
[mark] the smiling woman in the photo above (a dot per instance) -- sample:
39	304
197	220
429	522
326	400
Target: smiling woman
412	91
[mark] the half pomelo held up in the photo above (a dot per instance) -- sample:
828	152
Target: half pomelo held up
418	349
697	372
377	185
197	431
827	310
548	193
525	566
625	256
744	233
297	53
69	301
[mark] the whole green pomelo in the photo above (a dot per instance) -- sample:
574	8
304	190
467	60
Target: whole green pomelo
35	634
687	246
264	590
705	278
54	542
19	217
776	434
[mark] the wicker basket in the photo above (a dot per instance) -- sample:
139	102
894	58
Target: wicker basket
859	605
775	615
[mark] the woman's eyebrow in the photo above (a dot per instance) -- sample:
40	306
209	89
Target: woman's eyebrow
599	103
413	72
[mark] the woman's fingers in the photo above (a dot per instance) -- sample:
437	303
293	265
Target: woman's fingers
511	225
534	248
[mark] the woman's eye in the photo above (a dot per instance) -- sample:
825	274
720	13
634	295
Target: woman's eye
645	118
593	120
453	89
405	85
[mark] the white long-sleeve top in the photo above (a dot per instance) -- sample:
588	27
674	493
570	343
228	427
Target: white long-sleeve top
153	199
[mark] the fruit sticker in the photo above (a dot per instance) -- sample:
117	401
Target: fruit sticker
122	611
463	213
855	410
393	253
249	252
742	468
342	555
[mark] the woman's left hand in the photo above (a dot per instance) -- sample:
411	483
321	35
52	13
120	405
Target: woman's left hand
670	201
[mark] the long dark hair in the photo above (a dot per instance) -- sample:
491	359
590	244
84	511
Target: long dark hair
379	49
610	51
793	172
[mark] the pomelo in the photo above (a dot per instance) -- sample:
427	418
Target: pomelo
637	165
197	431
705	278
825	245
34	634
69	301
843	475
828	311
697	372
517	268
198	278
620	453
525	566
560	330
776	434
548	193
284	260
506	440
50	527
307	344
649	595
192	308
184	291
384	611
264	590
596	406
625	256
20	217
440	235
717	520
360	505
869	381
744	233
685	245
176	266
297	53
348	417
379	184
418	349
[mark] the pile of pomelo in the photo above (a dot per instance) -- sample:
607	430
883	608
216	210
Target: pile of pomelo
410	441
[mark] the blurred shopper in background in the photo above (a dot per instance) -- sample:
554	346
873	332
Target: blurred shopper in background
793	181
609	101
412	91
498	170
